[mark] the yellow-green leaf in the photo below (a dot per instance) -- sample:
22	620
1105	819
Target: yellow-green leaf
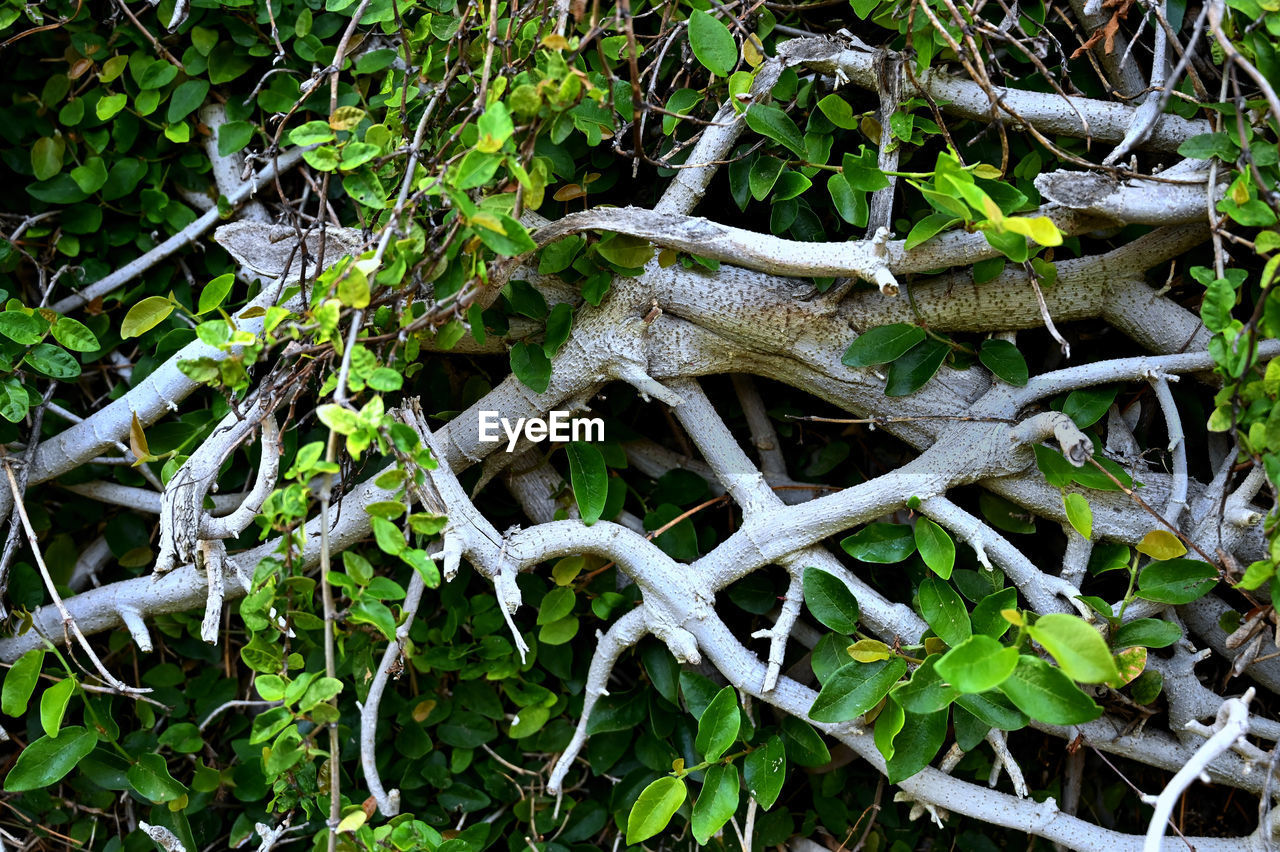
1161	545
1079	513
145	315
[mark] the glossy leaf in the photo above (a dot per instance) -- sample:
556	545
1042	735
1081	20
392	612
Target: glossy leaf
589	479
855	688
716	802
1147	633
920	741
914	369
1003	358
1079	650
20	681
771	121
764	770
1044	693
718	725
882	344
936	547
1176	581
977	664
1079	515
53	705
48	759
654	808
881	543
830	601
944	611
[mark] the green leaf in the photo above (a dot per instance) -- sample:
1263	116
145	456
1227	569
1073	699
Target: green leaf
20	682
1176	581
717	801
764	771
926	691
851	205
14	405
52	361
994	709
830	600
215	293
714	47
556	604
718	725
353	288
914	369
145	315
1078	513
1081	653
1207	145
364	187
377	614
150	777
1003	358
881	543
186	99
838	112
389	537
977	664
764	174
48	759
74	335
943	610
928	227
805	746
1087	405
936	547
1046	694
912	753
653	810
986	617
109	105
53	704
311	133
1146	633
21	327
531	366
770	121
514	239
46	157
882	344
625	251
855	688
589	479
888	724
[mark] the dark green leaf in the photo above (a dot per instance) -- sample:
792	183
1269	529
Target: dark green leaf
716	802
881	543
910	372
922	736
936	547
770	121
589	479
944	611
1046	694
830	601
186	99
764	771
926	692
531	366
718	725
1003	358
150	777
855	688
882	344
48	759
1146	633
1176	581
